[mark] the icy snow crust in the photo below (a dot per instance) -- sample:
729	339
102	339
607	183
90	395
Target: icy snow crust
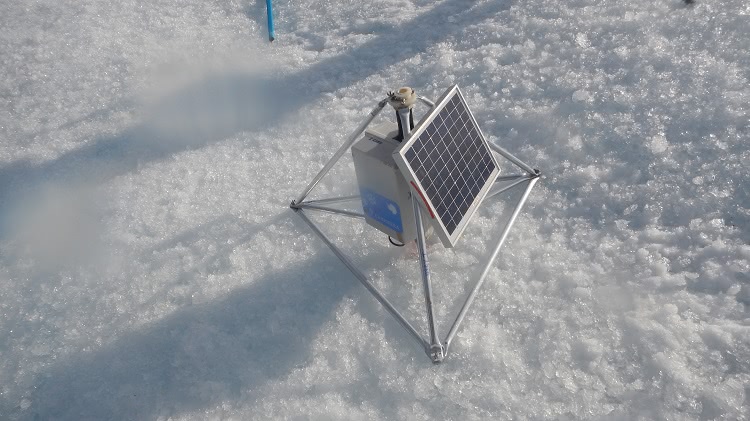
150	267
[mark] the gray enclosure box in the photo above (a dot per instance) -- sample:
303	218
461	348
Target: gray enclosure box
385	194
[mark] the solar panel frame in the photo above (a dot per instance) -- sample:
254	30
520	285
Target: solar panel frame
476	180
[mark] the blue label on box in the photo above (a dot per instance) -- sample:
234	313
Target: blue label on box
381	209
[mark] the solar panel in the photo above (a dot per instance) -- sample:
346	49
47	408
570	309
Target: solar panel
449	163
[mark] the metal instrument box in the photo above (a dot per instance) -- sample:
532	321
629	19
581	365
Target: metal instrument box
386	200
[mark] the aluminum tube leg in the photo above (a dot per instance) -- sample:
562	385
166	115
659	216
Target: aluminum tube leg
511	177
344	212
503	236
332	200
510	157
426	101
349	142
506	188
436	348
363	279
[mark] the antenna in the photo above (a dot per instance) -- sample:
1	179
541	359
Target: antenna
418	180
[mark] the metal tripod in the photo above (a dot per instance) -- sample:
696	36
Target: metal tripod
436	349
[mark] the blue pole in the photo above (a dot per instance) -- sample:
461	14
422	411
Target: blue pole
269	10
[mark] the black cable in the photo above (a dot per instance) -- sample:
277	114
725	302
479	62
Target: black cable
400	136
395	243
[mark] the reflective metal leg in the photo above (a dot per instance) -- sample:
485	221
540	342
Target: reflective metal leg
436	348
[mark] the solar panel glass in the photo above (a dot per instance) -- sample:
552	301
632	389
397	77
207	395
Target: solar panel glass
451	162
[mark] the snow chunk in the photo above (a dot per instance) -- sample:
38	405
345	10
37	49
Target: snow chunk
582	40
658	144
582	96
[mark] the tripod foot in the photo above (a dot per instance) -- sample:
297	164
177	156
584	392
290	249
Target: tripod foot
437	353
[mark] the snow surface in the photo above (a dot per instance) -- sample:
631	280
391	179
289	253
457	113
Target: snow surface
150	267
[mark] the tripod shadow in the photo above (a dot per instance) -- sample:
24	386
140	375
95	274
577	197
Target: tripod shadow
223	350
201	354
